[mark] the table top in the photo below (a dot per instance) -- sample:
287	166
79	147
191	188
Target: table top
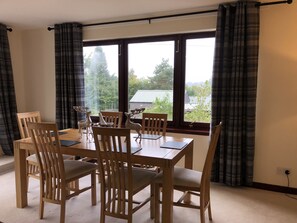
151	153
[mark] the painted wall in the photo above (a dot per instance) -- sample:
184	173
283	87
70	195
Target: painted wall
276	135
276	141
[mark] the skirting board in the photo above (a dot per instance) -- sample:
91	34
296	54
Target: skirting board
276	188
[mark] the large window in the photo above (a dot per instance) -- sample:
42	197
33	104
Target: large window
101	77
163	74
150	83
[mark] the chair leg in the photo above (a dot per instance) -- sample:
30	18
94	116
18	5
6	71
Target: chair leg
202	216
130	218
209	212
152	201
62	212
93	189
41	205
27	183
157	203
102	217
41	208
102	208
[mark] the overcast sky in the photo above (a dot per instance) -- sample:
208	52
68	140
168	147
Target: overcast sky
143	58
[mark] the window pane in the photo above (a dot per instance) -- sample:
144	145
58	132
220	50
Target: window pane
101	78
150	84
199	65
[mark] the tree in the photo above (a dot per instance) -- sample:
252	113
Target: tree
101	88
162	106
163	78
201	112
136	84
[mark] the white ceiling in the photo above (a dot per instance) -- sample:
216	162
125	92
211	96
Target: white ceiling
31	14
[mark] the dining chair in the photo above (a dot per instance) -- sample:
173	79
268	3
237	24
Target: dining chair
114	117
56	174
154	123
32	167
25	117
192	182
120	181
109	117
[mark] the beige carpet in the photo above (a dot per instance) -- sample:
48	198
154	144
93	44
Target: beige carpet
229	205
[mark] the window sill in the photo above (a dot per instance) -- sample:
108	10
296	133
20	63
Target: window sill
188	131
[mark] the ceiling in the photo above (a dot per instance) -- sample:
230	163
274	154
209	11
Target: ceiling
32	14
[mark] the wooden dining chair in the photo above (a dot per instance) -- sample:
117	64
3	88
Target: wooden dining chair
109	117
56	174
114	117
31	160
32	166
120	181
25	117
154	123
193	182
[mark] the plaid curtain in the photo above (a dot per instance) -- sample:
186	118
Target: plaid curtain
69	73
8	121
234	87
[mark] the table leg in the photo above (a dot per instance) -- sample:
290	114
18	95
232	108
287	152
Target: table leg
20	176
167	195
189	165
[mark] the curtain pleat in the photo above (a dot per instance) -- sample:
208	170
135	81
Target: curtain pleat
8	108
69	73
234	88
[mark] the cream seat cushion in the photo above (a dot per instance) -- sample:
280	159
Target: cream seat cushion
183	177
74	168
32	158
140	177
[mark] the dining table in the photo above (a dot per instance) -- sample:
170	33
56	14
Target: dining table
164	152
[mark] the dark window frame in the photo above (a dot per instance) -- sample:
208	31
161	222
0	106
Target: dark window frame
177	124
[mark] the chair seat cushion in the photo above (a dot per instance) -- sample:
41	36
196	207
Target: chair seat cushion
141	177
183	177
74	168
33	159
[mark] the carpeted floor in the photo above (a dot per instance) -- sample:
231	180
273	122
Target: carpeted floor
229	205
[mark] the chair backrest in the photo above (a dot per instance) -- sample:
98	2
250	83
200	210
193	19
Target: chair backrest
113	146
47	148
25	117
154	123
113	116
206	173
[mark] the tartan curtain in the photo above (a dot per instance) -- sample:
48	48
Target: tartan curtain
234	87
8	108
69	73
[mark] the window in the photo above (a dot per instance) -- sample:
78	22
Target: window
198	73
101	77
150	83
164	74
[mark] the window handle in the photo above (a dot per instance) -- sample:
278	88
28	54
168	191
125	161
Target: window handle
177	47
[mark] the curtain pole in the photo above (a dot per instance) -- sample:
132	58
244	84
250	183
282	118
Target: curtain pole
149	19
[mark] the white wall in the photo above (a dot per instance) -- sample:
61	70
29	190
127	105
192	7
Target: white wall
276	135
276	141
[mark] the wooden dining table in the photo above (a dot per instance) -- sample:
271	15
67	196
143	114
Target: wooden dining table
151	153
